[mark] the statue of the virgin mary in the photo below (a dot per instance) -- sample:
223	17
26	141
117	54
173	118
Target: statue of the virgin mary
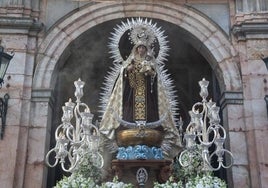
139	105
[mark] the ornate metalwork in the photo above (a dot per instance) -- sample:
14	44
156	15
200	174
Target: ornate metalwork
142	176
4	62
199	133
266	101
75	142
3	113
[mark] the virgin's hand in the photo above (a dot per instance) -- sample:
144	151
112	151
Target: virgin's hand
130	67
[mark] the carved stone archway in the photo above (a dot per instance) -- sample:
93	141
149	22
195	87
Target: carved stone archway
205	36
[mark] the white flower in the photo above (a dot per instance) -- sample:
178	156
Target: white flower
207	181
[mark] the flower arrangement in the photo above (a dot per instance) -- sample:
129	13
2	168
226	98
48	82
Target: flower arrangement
170	183
75	181
191	175
193	165
86	175
116	184
206	181
88	170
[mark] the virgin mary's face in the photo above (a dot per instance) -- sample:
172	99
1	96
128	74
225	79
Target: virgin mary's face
141	50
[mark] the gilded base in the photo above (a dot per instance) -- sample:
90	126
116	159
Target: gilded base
133	137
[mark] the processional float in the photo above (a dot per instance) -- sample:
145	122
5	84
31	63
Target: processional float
140	121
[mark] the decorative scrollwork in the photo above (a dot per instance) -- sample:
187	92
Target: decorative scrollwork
73	143
199	133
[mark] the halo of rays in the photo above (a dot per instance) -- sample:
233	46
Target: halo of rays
114	71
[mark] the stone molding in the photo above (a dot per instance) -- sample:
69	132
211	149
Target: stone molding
21	23
251	31
20	8
230	97
43	95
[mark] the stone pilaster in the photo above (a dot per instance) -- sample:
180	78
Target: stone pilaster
232	110
18	35
251	34
39	136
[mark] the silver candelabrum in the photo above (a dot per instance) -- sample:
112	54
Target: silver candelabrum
75	142
205	131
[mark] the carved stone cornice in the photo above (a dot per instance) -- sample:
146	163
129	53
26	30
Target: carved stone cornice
230	97
255	30
43	95
23	23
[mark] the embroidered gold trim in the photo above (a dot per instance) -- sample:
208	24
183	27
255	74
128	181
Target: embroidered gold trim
138	82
